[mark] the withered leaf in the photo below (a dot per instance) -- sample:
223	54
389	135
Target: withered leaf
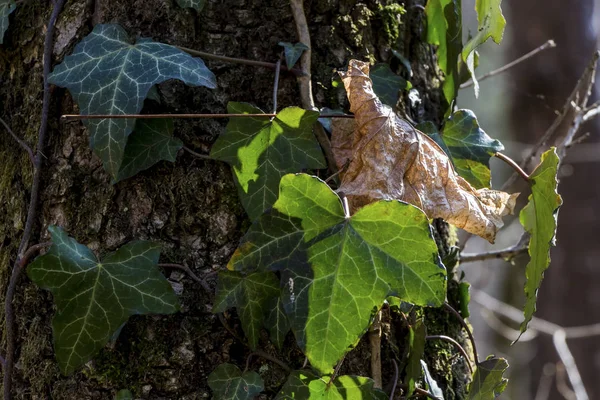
390	159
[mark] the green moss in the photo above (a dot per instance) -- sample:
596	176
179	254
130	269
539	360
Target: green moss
390	16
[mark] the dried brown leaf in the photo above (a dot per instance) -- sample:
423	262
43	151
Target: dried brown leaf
390	159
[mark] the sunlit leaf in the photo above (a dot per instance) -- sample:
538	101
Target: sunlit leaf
488	382
151	141
336	271
229	383
444	29
277	323
539	219
95	298
197	5
6	8
431	384
390	159
292	52
490	24
261	151
386	84
124	394
306	386
108	74
250	295
416	344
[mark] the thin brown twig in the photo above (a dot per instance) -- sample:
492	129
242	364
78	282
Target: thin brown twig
21	142
336	370
238	60
375	345
455	344
513	165
448	307
77	117
190	273
396	375
198	155
508	253
548	45
33	201
276	85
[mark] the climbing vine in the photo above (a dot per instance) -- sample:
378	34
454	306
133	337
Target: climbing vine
322	256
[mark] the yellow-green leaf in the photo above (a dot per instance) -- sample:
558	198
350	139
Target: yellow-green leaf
488	382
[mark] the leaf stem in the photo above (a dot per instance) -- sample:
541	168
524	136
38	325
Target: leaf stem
22	143
266	356
76	117
276	85
449	308
548	45
375	344
198	155
238	60
396	374
455	344
513	165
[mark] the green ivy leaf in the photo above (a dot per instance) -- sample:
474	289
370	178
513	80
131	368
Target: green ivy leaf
416	345
337	272
470	148
491	24
250	295
387	84
488	381
228	383
151	141
444	29
6	8
277	322
292	52
261	151
124	394
538	218
197	5
306	386
94	299
108	74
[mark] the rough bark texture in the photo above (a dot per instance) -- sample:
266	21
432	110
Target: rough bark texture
191	206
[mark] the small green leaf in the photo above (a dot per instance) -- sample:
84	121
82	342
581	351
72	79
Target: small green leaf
250	295
337	272
292	52
416	345
306	386
228	383
538	218
124	394
108	74
93	299
430	383
277	323
261	151
6	8
470	148
387	84
444	29
464	295
488	381
151	142
197	5
491	24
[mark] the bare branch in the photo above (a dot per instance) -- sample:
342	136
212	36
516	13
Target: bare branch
548	45
560	343
506	254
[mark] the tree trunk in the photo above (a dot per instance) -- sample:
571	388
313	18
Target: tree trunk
190	207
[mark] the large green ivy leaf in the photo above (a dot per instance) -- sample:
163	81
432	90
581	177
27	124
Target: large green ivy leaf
197	5
151	142
229	383
416	344
108	74
470	148
250	295
277	323
491	24
306	386
538	218
261	151
386	84
95	298
488	381
338	271
444	29
6	8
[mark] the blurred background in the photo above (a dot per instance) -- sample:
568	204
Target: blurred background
517	107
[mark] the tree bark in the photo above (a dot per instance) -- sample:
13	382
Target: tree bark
191	206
